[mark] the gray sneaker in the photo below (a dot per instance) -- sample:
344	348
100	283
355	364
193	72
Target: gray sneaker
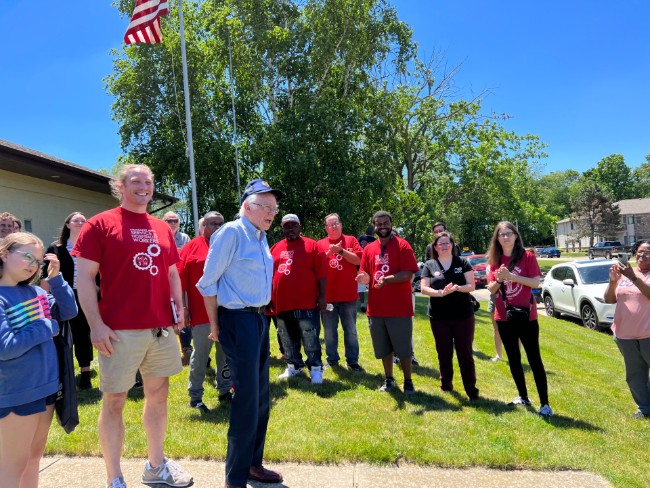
168	473
117	483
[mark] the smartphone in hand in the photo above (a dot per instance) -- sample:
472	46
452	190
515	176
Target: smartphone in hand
173	303
623	259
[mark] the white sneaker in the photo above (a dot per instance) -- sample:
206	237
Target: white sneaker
117	483
496	358
546	411
290	372
168	473
316	375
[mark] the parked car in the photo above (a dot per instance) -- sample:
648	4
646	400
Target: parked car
538	249
479	263
550	252
608	250
466	252
577	289
415	284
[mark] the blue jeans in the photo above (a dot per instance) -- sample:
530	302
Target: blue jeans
296	326
199	363
244	337
347	313
185	337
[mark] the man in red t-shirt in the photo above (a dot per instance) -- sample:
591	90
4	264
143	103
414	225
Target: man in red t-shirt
343	254
388	266
131	328
190	267
299	292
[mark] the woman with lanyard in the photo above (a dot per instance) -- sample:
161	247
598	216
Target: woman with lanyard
83	347
630	290
448	279
514	272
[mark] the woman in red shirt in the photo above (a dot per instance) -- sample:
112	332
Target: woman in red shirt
514	272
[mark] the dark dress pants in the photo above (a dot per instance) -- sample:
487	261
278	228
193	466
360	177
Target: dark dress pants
244	337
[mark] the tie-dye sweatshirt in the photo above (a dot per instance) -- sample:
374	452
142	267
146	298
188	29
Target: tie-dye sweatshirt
28	361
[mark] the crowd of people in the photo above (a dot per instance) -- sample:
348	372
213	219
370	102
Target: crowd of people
126	281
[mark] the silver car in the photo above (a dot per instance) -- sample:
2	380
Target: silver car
577	288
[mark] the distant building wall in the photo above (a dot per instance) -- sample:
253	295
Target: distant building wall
46	204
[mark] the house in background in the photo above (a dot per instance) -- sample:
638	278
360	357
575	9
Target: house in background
635	225
42	190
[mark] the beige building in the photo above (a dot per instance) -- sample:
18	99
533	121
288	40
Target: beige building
42	190
635	224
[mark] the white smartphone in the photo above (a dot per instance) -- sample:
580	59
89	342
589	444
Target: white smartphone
173	303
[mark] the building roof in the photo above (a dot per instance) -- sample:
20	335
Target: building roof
634	206
22	160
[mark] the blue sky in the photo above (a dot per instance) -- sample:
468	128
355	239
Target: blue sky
575	72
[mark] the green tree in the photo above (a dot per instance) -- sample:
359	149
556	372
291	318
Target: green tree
613	174
594	212
641	175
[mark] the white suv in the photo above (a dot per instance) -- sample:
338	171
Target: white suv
577	288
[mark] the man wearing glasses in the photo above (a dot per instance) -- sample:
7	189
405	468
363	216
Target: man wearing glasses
388	266
343	254
190	268
236	286
173	221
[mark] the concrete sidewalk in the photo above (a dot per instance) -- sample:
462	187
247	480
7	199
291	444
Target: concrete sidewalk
84	472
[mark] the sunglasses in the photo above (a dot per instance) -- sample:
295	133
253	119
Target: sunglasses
171	221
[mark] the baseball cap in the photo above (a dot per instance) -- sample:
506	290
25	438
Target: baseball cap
290	218
259	186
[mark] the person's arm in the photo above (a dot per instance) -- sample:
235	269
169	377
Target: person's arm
614	278
211	307
352	256
503	273
101	334
322	293
470	286
629	272
177	294
64	301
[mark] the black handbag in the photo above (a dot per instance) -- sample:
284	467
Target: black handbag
516	314
65	404
475	303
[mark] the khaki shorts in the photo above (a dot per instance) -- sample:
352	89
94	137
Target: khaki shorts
155	357
391	335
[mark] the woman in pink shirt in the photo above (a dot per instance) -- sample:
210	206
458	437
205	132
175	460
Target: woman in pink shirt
629	288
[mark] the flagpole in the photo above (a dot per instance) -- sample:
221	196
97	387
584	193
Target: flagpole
188	121
234	118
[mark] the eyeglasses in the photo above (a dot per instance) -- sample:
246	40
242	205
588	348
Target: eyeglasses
506	235
29	257
171	221
333	224
268	208
645	254
78	221
443	244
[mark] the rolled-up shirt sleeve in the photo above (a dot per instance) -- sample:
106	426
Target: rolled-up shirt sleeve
222	246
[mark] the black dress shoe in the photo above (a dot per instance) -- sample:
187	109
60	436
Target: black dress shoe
263	475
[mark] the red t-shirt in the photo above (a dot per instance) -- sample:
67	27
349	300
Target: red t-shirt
190	268
134	252
392	299
341	283
518	294
297	267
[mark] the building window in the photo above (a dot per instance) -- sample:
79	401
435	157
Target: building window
27	225
571	225
630	219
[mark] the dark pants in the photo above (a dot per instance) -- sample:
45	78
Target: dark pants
83	347
528	333
459	334
244	337
298	327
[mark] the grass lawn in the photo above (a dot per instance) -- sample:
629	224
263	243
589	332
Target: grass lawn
347	420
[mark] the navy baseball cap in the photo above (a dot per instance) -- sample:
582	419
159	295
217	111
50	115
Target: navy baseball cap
259	186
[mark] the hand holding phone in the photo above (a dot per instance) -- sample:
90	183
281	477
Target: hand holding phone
174	315
623	259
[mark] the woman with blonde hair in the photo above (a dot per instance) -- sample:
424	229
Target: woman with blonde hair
28	358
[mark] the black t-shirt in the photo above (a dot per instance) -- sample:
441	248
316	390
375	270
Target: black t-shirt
364	240
456	305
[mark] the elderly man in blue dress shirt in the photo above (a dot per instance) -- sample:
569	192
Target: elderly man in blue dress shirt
236	286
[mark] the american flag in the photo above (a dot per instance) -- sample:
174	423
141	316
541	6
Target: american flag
145	23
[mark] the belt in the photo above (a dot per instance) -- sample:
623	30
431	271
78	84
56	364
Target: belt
257	310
